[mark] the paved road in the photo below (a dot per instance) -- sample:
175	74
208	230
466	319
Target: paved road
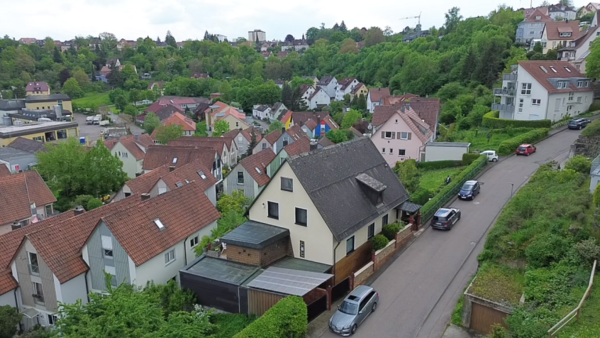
419	290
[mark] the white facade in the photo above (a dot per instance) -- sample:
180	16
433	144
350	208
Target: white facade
444	151
8	299
261	114
340	93
307	94
257	33
319	98
330	88
131	166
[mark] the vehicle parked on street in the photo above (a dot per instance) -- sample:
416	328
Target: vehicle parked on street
578	123
491	155
469	190
445	218
526	149
353	311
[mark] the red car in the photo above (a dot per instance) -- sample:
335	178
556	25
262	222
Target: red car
526	149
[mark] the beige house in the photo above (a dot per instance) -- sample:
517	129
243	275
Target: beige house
37	88
131	150
235	123
332	210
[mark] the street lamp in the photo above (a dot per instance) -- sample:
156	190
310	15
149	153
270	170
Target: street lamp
511	189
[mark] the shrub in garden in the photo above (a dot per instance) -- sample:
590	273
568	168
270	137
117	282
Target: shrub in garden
421	196
435	165
580	164
288	318
509	146
546	249
592	129
379	242
588	249
468	158
390	230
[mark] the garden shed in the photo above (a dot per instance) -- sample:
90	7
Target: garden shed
443	151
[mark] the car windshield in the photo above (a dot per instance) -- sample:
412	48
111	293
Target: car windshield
439	219
467	187
349	308
522	148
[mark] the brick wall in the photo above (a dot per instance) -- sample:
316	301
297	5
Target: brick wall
381	256
360	276
275	251
403	236
243	255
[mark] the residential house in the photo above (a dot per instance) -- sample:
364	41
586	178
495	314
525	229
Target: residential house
299	45
320	125
309	128
20	154
225	147
113	63
427	108
410	37
37	88
278	111
528	11
157	86
188	126
329	84
306	91
558	34
288	137
131	150
27	41
322	229
562	11
221	111
196	75
532	27
266	55
282	55
34	102
182	102
358	90
592	7
251	175
279	83
243	138
286	119
400	134
537	90
257	35
162	112
345	87
577	51
268	141
314	79
301	146
318	99
375	97
178	156
4	170
25	199
261	111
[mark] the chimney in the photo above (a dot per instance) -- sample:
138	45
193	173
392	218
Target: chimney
402	109
283	130
171	168
313	145
79	210
137	137
145	196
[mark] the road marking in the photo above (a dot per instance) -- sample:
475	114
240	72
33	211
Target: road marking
476	203
473	243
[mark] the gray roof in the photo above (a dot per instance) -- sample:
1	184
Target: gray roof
329	176
288	281
27	145
410	207
8	154
222	270
255	235
448	144
44	98
293	263
12	104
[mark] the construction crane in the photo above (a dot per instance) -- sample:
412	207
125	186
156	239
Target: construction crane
414	17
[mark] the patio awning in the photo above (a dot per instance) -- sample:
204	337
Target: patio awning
410	207
30	312
288	281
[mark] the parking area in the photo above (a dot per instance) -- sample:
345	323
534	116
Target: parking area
92	132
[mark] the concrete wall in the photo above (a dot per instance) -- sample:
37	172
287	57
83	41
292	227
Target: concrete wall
73	290
436	153
45	277
8	299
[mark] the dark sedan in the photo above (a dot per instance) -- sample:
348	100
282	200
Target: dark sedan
469	190
578	123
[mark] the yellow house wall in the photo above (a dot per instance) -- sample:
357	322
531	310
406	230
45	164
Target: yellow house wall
232	120
48	105
47	92
71	132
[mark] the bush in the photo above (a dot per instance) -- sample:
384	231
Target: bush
592	129
468	158
435	165
546	249
588	250
93	203
509	146
390	230
288	318
421	196
379	242
491	120
580	164
595	106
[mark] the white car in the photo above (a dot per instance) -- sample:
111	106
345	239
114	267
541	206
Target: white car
491	155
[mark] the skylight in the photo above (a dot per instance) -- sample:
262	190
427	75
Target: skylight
187	182
179	184
159	224
174	160
544	69
201	174
567	69
258	171
553	69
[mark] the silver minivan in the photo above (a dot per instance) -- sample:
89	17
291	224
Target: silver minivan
353	311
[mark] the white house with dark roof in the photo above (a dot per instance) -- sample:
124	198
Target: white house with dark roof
577	51
329	85
251	175
319	98
306	91
345	87
261	111
375	98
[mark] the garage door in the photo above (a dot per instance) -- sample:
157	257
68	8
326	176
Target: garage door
483	318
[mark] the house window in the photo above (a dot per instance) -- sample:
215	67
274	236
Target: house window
396	121
388	134
571	96
237	124
37	292
401	152
287	184
285	141
264	146
578	99
113	273
127	194
107	248
170	257
371	231
581	84
240	177
301	217
557	105
193	242
302	249
520	105
384	220
273	211
52	319
391	151
526	89
34	267
350	245
383	150
536	102
404	135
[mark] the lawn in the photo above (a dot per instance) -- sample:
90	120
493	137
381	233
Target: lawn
479	138
433	180
588	324
498	283
92	100
230	324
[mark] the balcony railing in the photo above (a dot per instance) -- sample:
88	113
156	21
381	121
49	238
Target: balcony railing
504	91
509	77
38	299
34	269
503	108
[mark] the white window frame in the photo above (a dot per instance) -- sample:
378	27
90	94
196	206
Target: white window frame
404	135
526	89
536	102
194	241
170	257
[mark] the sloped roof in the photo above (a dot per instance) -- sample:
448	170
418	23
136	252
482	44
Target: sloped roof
4	171
427	108
137	147
273	136
177	156
357	88
285	117
248	134
216	143
27	145
260	161
419	128
376	94
296	132
534	68
18	192
346	82
325	80
311	124
356	132
37	86
325	142
300	146
182	211
538	13
317	91
329	177
554	28
179	119
188	173
144	183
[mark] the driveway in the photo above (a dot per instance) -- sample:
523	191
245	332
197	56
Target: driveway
92	132
419	290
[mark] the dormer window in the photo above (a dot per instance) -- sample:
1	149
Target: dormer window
565	34
539	17
582	84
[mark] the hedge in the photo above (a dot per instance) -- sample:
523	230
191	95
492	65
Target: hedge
592	129
451	189
390	230
491	120
507	147
468	158
435	165
379	242
288	318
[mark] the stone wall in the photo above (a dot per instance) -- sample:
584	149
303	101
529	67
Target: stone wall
588	146
360	276
381	256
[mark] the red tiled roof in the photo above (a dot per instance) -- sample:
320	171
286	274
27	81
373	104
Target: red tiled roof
300	146
260	161
535	70
4	171
182	211
144	183
156	106
157	156
311	124
285	117
135	146
216	143
272	137
554	28
325	142
179	119
296	132
37	86
189	173
356	132
358	87
378	93
420	129
543	17
248	134
283	54
346	82
18	192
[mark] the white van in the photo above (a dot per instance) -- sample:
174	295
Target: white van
491	155
89	120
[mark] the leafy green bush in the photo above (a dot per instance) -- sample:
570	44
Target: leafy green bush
390	230
434	165
408	174
595	106
468	158
509	146
592	129
229	324
421	196
589	250
93	203
491	120
546	249
288	318
379	242
580	164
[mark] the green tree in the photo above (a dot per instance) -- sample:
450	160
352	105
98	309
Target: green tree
130	110
164	134
93	203
221	127
57	56
201	129
374	36
135	95
350	118
103	171
274	126
71	88
580	164
237	202
151	122
82	78
337	136
453	17
253	142
9	319
287	95
408	173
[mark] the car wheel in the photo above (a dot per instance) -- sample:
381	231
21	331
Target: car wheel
353	329
580	127
495	160
374	307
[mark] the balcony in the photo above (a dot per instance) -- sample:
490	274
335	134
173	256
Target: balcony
504	108
38	299
509	77
34	269
504	92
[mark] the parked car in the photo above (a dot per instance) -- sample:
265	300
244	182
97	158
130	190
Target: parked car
526	149
578	123
491	155
353	311
469	190
445	218
89	120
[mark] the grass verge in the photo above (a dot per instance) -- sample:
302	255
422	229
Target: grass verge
433	180
94	100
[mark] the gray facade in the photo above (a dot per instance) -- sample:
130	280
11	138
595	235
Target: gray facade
249	186
15	157
45	277
98	261
527	31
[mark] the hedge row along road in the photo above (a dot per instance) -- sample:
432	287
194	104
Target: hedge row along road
419	290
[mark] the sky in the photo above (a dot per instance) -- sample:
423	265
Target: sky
189	19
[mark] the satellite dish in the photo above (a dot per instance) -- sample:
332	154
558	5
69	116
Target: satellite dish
370	126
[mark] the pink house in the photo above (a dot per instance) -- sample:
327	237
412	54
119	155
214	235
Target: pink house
399	133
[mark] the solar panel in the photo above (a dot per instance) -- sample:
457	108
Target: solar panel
288	281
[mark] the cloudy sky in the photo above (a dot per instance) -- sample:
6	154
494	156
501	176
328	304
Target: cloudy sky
189	19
